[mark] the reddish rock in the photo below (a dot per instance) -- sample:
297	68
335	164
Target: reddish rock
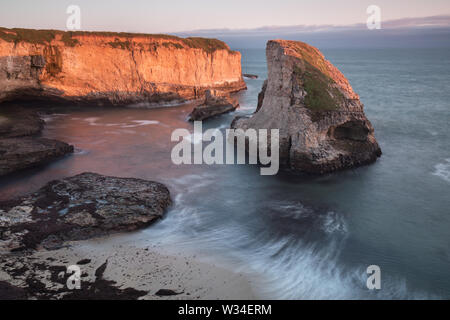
113	68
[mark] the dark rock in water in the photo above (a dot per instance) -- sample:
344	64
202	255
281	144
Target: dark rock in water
261	96
250	76
22	153
19	122
320	118
167	292
18	148
216	103
80	207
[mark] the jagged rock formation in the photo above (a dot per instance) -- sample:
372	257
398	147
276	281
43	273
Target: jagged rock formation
113	68
80	207
216	103
321	120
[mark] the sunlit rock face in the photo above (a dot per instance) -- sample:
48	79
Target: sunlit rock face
113	68
321	120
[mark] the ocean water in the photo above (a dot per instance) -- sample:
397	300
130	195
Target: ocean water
295	237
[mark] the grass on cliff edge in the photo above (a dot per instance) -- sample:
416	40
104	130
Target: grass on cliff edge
312	56
320	93
33	36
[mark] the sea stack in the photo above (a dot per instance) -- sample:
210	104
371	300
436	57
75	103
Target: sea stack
321	120
113	68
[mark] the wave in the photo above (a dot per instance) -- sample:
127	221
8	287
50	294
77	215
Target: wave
442	170
139	123
287	249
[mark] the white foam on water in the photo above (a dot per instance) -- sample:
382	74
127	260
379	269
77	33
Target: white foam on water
80	152
442	170
139	123
52	117
284	267
149	105
92	121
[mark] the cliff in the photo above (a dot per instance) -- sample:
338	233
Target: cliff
321	120
114	68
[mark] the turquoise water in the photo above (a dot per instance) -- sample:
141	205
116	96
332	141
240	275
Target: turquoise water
296	237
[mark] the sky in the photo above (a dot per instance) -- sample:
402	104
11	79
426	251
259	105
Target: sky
171	16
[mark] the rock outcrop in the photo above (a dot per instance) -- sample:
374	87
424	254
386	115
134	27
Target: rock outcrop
22	153
216	103
80	207
113	68
320	118
19	122
19	147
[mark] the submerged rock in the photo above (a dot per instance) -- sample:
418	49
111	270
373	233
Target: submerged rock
250	76
80	207
321	120
216	103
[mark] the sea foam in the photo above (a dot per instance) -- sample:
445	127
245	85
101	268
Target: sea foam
442	170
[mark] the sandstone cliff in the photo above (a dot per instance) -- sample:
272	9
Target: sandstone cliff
321	120
114	68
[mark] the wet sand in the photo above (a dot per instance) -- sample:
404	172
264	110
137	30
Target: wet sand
144	269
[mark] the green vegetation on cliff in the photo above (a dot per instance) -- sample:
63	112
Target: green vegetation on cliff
122	40
321	94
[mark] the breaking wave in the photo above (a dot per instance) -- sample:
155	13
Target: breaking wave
442	170
289	251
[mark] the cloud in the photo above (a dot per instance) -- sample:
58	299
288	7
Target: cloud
431	31
442	21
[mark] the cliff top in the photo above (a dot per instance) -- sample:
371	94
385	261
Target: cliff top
316	63
115	39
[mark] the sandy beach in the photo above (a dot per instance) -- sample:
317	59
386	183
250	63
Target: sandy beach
145	269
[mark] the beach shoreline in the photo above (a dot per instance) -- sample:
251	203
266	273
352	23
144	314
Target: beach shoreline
144	270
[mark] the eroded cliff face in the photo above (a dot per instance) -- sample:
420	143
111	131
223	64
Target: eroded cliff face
116	68
321	120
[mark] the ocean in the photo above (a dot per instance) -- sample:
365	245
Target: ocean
295	236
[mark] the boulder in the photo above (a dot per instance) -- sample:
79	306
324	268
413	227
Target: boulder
216	103
80	207
320	118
